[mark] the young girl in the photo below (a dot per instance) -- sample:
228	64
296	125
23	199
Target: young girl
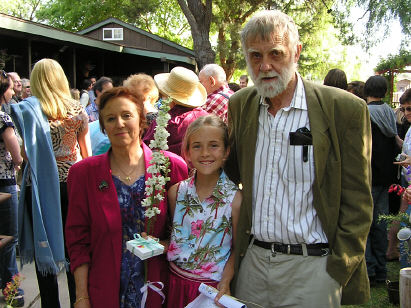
205	210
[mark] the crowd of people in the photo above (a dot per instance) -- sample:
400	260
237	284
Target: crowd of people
273	191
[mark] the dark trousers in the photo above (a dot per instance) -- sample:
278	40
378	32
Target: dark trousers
377	238
48	286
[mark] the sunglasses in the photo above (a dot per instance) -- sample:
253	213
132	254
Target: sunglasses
402	109
4	74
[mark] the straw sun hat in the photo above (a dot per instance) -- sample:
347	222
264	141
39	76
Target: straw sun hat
183	86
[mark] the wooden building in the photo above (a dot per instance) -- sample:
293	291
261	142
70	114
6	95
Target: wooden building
110	48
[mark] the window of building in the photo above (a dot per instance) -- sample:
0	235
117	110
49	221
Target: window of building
112	34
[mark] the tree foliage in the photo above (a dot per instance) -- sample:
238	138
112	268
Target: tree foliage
313	18
221	20
24	9
167	21
380	14
199	14
161	17
390	67
228	19
74	15
394	62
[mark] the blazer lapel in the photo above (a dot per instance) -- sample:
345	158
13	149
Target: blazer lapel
246	141
249	134
319	126
107	197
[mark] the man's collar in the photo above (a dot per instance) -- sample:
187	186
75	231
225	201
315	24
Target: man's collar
220	89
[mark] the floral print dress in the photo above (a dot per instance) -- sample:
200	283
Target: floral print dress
202	231
132	215
7	173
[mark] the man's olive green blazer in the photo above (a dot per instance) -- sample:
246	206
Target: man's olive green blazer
341	132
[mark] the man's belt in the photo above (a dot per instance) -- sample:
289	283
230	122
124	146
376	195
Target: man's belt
319	250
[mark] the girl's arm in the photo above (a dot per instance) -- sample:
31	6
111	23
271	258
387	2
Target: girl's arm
228	273
81	279
172	197
12	145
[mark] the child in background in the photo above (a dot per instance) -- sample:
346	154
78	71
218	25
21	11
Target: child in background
205	210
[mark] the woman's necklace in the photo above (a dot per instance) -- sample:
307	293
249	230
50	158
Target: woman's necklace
127	175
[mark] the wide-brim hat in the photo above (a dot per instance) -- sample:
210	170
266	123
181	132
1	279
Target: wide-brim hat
183	86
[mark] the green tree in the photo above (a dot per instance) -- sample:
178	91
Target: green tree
390	67
380	13
228	18
167	21
74	15
199	14
220	19
161	17
25	9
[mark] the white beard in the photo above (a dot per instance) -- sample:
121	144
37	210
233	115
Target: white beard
275	87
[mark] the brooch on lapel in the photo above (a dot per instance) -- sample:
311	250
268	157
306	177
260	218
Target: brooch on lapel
103	185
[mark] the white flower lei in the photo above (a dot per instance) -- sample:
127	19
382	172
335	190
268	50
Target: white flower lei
155	185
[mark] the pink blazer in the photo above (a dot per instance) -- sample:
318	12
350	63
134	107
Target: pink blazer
94	231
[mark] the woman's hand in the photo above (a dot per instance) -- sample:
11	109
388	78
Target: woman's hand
406	162
224	288
165	243
82	303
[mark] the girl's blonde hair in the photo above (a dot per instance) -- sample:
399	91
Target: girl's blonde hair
208	120
50	85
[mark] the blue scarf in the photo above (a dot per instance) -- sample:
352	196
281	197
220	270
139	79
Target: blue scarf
383	116
44	240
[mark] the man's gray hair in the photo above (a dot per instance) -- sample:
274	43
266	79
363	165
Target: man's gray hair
25	82
215	71
264	23
14	75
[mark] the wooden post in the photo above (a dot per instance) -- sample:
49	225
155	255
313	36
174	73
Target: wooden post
405	287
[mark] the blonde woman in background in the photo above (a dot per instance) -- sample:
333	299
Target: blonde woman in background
54	129
143	86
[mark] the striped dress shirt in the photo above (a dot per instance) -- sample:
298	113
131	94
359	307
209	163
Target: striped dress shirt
283	208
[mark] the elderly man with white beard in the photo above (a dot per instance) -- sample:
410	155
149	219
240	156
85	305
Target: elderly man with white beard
302	153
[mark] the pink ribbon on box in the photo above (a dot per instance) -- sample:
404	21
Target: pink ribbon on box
151	285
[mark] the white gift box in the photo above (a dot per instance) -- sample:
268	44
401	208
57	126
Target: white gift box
145	248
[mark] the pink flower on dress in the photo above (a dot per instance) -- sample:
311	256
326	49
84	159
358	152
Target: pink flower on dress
173	251
206	270
196	227
209	199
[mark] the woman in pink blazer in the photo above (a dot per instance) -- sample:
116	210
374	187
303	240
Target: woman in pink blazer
105	194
